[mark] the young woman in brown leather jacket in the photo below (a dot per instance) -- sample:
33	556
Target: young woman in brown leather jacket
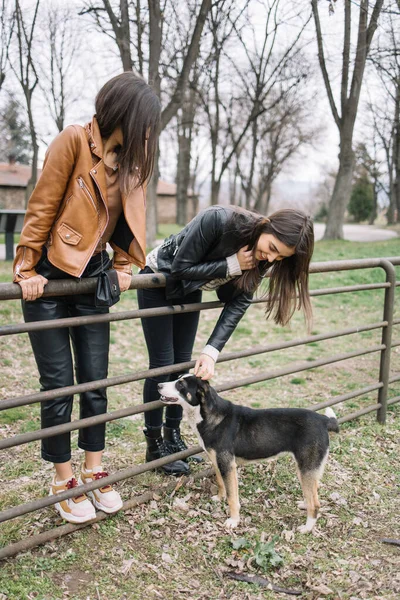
90	192
228	250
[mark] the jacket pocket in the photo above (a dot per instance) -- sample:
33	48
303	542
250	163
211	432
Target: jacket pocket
69	235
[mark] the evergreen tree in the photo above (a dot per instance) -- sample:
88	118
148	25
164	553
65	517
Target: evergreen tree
361	203
15	142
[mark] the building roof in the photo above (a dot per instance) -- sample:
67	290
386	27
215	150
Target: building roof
14	175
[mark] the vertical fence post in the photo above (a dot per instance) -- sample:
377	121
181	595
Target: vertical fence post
388	310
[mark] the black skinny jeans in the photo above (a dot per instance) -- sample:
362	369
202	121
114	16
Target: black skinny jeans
169	340
52	350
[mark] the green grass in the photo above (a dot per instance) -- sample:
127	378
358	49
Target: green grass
174	554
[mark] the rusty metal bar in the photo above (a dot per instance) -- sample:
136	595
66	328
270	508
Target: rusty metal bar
395	343
359	413
107	318
394	400
56	532
32	436
394	378
388	312
112	381
299	367
12	291
156	312
338	399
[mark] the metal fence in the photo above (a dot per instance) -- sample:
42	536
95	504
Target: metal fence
65	287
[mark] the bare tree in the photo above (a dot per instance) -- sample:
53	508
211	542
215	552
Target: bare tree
386	112
281	133
115	24
25	70
61	44
349	100
257	83
6	31
156	45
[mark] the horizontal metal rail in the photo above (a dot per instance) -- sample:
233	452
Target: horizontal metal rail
126	315
359	413
136	376
31	436
62	287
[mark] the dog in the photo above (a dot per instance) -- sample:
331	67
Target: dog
231	434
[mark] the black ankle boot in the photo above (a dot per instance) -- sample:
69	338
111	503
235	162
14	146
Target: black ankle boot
175	443
157	448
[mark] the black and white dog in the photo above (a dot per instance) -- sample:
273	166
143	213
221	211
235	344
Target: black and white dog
231	434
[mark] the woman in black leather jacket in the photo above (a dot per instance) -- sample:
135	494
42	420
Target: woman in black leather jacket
228	250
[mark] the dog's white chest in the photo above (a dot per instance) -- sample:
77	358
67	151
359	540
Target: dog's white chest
194	418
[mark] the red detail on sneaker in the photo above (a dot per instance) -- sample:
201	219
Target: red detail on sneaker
72	483
100	475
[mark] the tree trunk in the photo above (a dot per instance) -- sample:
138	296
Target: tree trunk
374	212
396	156
182	178
215	188
185	132
341	192
34	172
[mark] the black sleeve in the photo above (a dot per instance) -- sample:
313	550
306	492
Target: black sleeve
231	314
188	262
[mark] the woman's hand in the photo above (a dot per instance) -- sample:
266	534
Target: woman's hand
246	259
124	280
204	367
33	287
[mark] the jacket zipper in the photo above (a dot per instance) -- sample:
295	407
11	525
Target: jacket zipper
19	266
89	195
87	192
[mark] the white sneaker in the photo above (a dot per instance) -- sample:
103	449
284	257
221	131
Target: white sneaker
104	498
74	510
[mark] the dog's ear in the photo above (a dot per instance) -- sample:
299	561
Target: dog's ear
203	388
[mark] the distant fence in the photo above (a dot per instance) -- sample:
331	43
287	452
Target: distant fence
10	291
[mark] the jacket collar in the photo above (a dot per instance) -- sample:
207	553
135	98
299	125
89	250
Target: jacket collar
95	140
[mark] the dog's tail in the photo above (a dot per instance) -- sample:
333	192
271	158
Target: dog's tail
333	425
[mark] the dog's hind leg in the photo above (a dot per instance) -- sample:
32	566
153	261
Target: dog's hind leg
220	482
309	484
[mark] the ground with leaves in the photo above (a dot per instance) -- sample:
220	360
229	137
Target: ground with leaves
175	546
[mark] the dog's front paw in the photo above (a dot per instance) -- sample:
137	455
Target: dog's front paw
308	527
231	523
217	498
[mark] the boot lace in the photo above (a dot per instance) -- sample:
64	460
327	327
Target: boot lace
177	444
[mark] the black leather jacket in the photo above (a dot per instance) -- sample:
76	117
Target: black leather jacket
197	254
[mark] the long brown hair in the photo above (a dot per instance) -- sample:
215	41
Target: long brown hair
288	278
127	101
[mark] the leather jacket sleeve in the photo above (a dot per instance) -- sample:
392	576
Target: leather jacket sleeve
45	201
121	263
230	316
188	262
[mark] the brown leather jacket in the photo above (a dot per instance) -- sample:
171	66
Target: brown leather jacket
67	216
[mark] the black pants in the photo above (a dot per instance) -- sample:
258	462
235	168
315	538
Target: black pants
52	350
169	340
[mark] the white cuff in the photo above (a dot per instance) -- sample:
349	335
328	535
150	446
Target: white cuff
211	351
233	266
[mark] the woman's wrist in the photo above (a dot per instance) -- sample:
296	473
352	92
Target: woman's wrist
211	352
234	269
